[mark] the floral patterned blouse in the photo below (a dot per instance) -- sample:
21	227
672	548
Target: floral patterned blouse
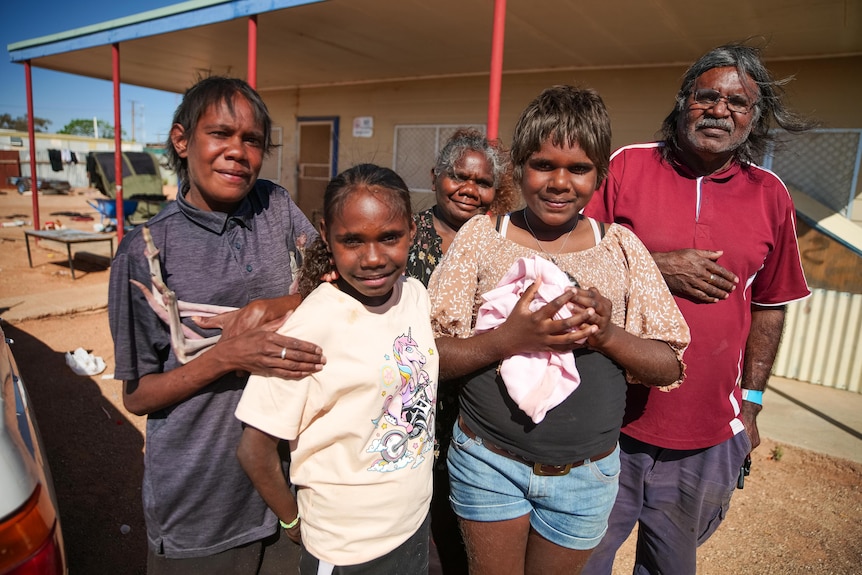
619	266
426	251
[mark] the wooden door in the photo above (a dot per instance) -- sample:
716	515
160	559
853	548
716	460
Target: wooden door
10	167
315	165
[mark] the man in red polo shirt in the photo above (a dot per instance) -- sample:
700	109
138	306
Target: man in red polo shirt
723	234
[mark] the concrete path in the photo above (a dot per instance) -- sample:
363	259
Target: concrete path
61	302
814	417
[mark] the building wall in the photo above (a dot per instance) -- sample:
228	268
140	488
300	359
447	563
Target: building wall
638	100
446	101
828	264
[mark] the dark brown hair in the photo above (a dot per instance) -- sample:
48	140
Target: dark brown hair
567	116
769	106
317	259
197	100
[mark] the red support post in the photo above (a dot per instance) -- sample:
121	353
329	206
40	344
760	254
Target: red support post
31	134
118	140
252	51
497	43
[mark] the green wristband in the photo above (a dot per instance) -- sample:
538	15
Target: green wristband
753	396
290	525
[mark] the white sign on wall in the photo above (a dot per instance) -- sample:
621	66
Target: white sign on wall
363	127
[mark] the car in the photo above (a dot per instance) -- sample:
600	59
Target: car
31	539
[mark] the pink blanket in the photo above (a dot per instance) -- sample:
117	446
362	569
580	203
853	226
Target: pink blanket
537	382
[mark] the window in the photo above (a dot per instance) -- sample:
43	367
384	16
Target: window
824	164
416	148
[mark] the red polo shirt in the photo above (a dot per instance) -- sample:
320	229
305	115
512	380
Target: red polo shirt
744	211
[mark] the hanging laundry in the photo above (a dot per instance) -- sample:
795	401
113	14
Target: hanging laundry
56	158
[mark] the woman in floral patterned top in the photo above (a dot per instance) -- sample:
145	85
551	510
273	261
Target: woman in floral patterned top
470	178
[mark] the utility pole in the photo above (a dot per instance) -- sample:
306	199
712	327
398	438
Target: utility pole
133	119
143	124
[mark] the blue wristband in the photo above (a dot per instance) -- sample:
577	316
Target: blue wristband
753	396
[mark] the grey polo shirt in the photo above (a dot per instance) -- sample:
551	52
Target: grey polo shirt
197	499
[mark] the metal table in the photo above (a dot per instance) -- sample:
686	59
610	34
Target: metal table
67	237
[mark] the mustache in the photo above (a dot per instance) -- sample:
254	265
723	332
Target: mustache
725	125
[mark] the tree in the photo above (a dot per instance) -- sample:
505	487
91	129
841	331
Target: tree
84	127
19	124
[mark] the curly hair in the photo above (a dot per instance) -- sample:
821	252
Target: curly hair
198	99
566	115
317	259
769	106
471	140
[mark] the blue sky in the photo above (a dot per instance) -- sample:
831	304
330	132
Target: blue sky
63	97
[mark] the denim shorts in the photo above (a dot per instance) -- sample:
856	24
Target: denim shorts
570	510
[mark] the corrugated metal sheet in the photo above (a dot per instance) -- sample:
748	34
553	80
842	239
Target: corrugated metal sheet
822	341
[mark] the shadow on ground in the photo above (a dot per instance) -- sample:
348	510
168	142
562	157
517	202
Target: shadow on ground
82	430
84	262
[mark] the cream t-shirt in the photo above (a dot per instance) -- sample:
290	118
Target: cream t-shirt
361	430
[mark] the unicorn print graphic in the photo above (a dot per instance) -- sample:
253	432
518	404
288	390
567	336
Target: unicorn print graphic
408	412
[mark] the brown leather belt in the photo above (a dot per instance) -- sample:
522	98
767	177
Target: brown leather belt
542	469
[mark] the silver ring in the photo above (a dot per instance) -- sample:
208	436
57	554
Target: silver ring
711	277
283	352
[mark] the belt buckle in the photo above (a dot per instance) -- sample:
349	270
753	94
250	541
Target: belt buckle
551	470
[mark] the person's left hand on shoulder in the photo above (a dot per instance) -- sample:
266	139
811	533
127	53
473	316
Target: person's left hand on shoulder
248	317
262	351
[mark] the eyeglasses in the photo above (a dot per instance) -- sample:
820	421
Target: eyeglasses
461	179
707	98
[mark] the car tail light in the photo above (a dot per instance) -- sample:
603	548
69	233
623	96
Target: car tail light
29	540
